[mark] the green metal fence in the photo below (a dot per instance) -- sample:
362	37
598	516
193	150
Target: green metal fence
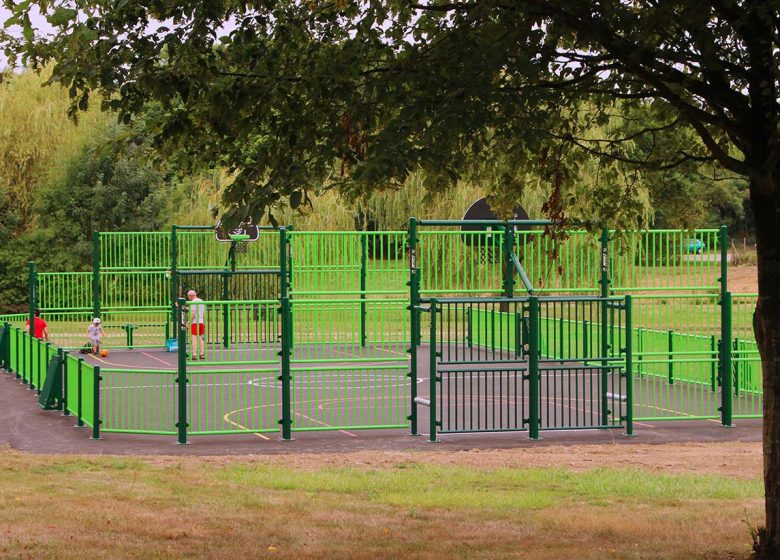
327	314
31	360
498	364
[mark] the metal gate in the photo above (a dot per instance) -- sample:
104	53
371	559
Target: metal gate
532	363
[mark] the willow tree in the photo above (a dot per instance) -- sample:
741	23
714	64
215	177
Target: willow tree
292	95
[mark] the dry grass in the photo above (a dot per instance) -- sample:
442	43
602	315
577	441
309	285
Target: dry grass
399	505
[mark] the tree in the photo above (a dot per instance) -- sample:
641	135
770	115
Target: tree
104	189
293	95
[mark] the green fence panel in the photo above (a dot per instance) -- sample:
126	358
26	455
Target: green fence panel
71	385
748	380
134	289
359	381
135	250
15	351
87	394
138	401
64	291
15	319
665	260
233	400
567	265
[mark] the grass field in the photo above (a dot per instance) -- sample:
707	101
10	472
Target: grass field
585	502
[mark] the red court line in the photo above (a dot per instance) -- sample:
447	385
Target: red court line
158	359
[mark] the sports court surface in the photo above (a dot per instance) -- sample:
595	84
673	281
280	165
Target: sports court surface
235	399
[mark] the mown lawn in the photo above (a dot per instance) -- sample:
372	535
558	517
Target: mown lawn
111	507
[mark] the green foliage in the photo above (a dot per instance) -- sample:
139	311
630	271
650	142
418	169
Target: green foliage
36	139
104	189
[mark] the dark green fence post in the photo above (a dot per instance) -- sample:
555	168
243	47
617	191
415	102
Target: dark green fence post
43	363
629	373
174	281
95	274
225	311
181	377
363	283
24	357
533	368
561	341
286	376
33	296
287	331
414	281
79	388
6	349
604	349
604	278
470	326
585	340
726	368
713	365
604	331
414	323
670	350
433	374
96	403
735	359
508	245
64	365
723	240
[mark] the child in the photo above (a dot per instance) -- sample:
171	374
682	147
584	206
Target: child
198	322
94	332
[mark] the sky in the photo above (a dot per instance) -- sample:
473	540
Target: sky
40	24
38	21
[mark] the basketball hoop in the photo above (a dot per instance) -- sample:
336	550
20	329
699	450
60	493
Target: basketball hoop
488	254
239	242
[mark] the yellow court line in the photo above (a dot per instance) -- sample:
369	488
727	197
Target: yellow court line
229	421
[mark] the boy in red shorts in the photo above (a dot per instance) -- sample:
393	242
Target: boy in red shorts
197	325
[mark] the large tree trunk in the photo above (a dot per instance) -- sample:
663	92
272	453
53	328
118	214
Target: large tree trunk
766	323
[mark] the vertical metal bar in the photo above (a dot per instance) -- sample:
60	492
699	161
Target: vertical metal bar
713	365
735	359
508	270
604	278
670	349
414	317
604	285
6	348
723	236
174	280
64	365
225	311
363	274
604	324
95	274
533	368
433	374
79	406
629	368
725	336
32	296
181	378
96	403
286	420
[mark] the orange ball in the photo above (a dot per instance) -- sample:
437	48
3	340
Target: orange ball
104	353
